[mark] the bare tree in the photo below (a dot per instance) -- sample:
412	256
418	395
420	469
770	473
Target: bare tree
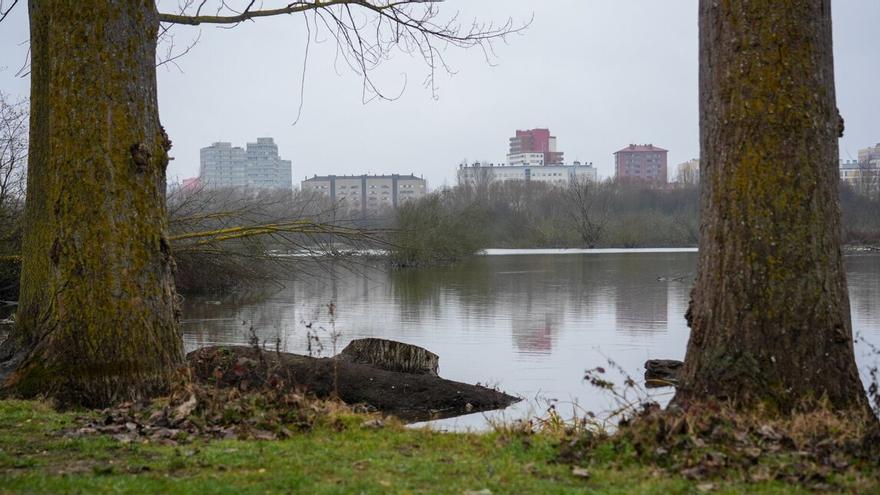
98	318
13	149
589	204
868	181
688	172
230	237
473	182
13	158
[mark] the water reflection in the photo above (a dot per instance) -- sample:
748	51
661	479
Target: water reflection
532	324
533	333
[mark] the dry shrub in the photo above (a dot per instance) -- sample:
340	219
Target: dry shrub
818	448
259	406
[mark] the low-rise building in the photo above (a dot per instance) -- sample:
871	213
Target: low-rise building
863	176
367	193
688	172
557	175
850	171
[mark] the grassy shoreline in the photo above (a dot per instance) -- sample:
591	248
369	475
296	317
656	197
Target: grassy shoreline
343	457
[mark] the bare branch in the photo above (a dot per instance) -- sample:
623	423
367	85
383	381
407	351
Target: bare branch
13	150
4	11
368	31
292	8
170	55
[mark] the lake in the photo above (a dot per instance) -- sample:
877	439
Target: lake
529	322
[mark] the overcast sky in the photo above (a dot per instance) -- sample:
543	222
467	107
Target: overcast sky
599	74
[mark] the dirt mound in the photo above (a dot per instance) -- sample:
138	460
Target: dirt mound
408	396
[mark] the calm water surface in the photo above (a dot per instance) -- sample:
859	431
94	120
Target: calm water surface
530	323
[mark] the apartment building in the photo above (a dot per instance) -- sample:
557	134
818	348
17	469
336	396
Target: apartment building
532	148
641	161
258	166
557	175
367	193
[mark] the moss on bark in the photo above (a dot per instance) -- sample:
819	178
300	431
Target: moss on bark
97	320
770	312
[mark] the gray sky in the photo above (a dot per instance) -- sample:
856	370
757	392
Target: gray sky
599	74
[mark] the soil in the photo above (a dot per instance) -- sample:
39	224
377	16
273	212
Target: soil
408	396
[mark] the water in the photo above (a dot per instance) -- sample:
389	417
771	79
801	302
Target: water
528	322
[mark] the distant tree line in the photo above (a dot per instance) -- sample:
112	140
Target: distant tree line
451	223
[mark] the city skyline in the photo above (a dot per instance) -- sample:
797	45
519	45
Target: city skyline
603	91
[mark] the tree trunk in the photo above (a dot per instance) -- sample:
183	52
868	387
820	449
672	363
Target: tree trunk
769	313
391	355
97	321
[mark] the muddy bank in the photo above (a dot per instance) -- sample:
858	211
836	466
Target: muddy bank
409	396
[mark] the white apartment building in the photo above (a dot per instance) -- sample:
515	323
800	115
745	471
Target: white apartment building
265	168
688	172
367	193
224	165
525	160
557	175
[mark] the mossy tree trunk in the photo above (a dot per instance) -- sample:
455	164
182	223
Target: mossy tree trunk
769	314
97	320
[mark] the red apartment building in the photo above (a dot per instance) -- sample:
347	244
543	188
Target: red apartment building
641	161
536	141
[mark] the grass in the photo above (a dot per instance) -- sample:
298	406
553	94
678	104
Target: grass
347	458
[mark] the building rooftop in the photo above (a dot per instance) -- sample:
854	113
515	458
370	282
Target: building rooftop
391	176
640	147
855	165
504	165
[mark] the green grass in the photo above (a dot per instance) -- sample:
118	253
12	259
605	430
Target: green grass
35	458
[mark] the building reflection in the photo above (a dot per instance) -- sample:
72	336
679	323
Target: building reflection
534	333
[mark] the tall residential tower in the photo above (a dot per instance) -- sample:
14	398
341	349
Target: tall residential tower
224	165
534	147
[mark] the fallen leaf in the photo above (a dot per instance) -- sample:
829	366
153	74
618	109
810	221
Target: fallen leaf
185	409
580	472
769	433
373	423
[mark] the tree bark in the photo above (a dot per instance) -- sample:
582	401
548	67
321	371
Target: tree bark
769	313
97	321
